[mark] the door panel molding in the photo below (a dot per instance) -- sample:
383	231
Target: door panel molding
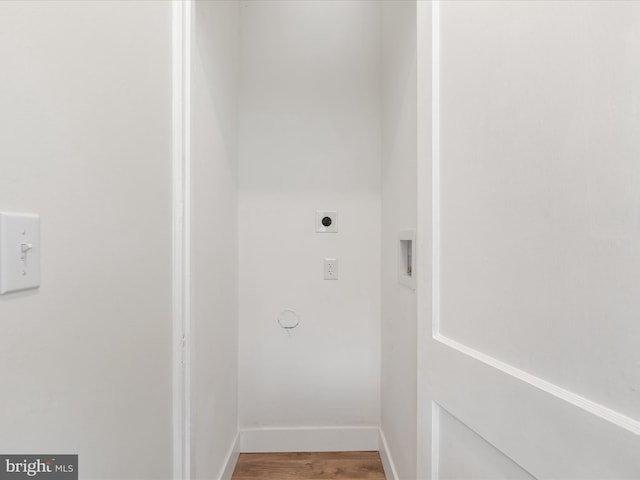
544	434
181	226
426	412
590	406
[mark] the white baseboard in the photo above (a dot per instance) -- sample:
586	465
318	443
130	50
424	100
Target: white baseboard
387	460
309	439
232	459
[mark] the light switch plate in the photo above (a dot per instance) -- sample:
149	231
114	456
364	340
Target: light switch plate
19	252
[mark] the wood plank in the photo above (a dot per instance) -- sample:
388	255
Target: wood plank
309	465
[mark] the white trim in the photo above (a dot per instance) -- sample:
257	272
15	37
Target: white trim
181	48
435	165
423	235
309	439
188	16
389	467
435	441
232	459
590	406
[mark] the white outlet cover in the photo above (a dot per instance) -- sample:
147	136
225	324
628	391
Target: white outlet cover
331	269
19	252
320	215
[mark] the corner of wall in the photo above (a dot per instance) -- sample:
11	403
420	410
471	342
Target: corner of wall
385	456
232	459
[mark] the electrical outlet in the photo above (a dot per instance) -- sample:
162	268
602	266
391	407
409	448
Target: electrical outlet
331	269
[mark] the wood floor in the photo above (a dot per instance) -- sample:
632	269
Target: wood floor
309	466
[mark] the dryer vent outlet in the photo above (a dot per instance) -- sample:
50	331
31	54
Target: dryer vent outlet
326	221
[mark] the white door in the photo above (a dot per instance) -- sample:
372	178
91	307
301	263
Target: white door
529	127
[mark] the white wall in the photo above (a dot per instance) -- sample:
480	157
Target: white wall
536	326
540	173
214	305
399	202
309	139
85	129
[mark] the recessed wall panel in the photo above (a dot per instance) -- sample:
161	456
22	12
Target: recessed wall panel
463	454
